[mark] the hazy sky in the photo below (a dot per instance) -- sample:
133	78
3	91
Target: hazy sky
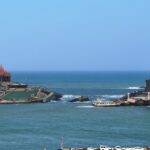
75	34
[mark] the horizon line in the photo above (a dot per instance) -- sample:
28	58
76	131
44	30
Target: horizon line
79	70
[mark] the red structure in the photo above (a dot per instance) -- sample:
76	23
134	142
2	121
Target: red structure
4	75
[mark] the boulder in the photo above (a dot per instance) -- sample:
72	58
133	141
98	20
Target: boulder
80	99
54	96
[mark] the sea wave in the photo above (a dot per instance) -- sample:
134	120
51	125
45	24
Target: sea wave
135	88
112	96
86	106
86	102
69	97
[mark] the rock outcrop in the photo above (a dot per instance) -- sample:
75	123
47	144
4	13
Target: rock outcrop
80	99
54	96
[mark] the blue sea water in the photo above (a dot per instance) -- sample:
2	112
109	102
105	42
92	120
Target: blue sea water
32	126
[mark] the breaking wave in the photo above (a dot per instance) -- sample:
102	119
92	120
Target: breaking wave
87	102
88	106
91	97
112	96
135	88
69	97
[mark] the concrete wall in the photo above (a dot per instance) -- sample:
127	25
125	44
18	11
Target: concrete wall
147	85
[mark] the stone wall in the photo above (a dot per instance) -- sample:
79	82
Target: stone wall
147	85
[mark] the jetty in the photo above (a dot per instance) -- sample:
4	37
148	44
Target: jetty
19	93
136	98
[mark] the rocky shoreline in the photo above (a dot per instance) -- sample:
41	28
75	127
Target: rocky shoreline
43	95
18	93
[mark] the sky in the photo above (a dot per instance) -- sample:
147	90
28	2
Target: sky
70	35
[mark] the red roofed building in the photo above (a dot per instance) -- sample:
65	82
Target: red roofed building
4	75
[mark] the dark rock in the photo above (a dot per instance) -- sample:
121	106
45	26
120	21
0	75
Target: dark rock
147	89
134	94
142	103
51	95
137	103
55	96
80	99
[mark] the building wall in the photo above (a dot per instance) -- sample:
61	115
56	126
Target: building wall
4	79
147	85
1	78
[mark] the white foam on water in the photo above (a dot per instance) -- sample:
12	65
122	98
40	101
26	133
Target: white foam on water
134	88
85	106
86	102
69	97
53	101
112	96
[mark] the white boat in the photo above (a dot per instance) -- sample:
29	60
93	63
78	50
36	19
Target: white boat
138	148
90	148
118	148
104	103
103	147
129	148
135	148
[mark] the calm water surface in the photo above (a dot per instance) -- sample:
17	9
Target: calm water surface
31	126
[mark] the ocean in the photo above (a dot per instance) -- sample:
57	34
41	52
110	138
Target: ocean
33	126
